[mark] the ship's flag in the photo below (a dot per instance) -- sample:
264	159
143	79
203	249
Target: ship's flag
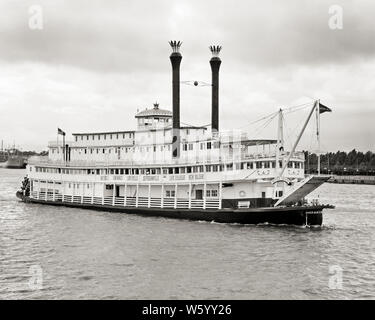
59	131
323	108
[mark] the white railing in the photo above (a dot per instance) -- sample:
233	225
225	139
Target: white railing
40	160
141	202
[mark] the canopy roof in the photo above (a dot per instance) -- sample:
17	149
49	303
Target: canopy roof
154	112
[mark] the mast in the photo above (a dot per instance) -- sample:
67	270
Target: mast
318	134
280	139
299	136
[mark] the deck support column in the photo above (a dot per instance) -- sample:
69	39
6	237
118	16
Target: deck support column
204	195
149	196
136	195
162	196
38	189
63	191
92	192
46	193
190	190
103	191
175	196
53	195
220	194
72	199
113	194
125	194
83	192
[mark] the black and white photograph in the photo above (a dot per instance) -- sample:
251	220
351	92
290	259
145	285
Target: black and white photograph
164	151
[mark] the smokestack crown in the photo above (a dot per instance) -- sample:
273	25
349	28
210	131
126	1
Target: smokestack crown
175	45
215	50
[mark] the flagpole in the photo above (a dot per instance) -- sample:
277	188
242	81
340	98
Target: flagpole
64	147
57	147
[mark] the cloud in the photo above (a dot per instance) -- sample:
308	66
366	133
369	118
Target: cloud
95	63
105	37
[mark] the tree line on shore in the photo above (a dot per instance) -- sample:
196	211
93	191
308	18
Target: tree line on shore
342	163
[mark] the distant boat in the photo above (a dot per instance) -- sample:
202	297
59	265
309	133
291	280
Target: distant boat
16	160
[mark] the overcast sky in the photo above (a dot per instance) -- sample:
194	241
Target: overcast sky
94	63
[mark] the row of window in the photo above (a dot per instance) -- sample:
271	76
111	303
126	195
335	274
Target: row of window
175	170
110	136
185	147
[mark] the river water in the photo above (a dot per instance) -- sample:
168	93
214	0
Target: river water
51	252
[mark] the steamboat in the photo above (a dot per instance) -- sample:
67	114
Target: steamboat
171	170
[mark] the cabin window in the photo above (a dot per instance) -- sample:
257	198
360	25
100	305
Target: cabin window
208	168
110	136
290	164
184	147
170	170
216	145
191	146
87	137
76	138
266	165
165	171
213	193
176	170
183	170
214	168
263	194
188	169
230	166
81	137
259	165
202	146
109	187
116	171
208	145
170	193
98	136
105	137
238	166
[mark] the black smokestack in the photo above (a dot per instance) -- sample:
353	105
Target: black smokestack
176	61
215	63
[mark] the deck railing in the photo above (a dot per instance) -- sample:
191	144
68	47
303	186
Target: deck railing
138	202
40	160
